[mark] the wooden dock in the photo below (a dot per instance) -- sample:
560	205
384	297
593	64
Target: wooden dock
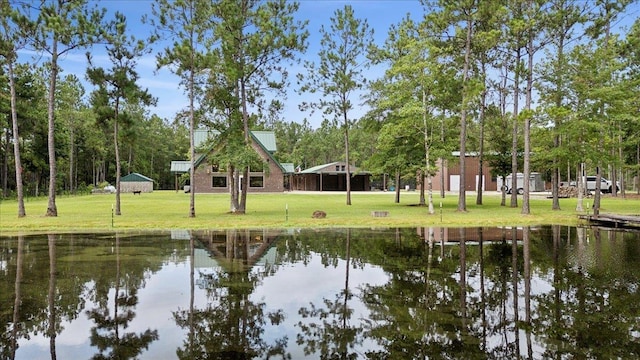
613	220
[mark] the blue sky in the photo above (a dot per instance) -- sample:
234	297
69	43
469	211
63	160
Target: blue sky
380	14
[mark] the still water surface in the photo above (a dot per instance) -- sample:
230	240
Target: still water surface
548	292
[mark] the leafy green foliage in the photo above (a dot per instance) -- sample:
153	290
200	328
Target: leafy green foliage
256	41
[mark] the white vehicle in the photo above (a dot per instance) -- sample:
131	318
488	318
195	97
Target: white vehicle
110	189
606	186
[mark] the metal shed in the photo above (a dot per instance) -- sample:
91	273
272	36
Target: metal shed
536	183
136	182
331	177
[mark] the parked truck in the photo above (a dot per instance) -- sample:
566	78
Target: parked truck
606	186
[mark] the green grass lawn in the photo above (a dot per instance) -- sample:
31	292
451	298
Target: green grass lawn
162	210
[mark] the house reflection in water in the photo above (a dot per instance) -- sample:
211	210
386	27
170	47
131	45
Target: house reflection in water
235	249
452	236
248	248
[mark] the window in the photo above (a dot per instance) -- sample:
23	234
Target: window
257	165
256	181
219	182
214	168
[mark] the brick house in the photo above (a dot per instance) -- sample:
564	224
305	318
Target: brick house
213	178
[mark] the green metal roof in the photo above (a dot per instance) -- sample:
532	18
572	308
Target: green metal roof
317	169
135	177
201	136
267	139
180	166
288	168
330	168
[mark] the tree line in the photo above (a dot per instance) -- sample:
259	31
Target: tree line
526	84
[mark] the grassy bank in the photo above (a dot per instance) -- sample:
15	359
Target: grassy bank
162	210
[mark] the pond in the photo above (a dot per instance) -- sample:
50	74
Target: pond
406	293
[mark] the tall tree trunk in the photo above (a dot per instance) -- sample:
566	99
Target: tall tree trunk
234	188
427	167
462	202
52	209
346	155
526	210
443	161
192	126
481	156
601	147
597	195
242	208
129	159
430	193
502	193
5	164
442	178
514	143
244	189
421	183
192	148
615	178
505	120
16	144
117	153
580	186
397	197
71	158
555	171
75	176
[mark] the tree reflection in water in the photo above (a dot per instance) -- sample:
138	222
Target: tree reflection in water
106	334
549	292
332	335
232	325
16	321
51	330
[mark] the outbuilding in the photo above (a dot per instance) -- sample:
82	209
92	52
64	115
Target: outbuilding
536	183
331	177
135	182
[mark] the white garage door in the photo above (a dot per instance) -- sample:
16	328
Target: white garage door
454	182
